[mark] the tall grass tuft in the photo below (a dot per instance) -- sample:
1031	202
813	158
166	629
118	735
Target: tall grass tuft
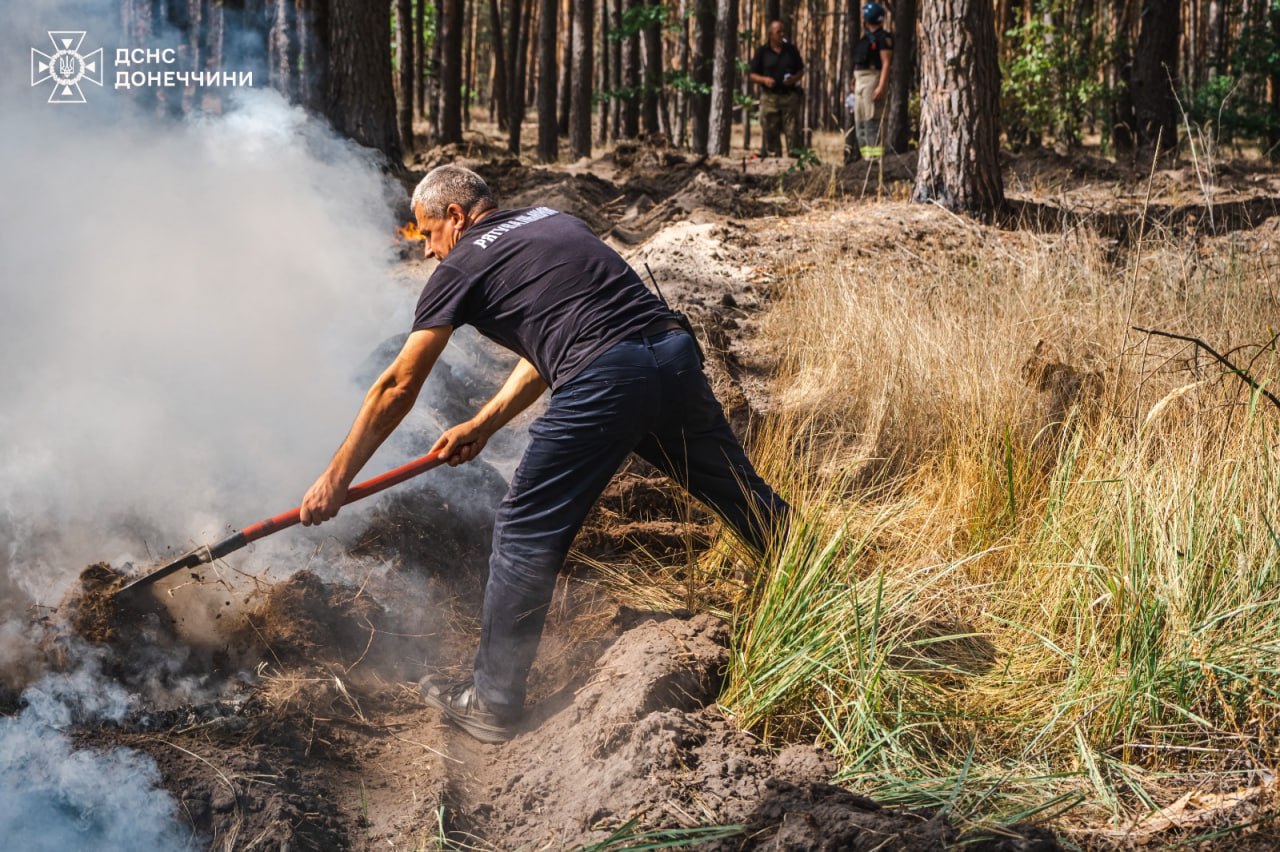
1035	565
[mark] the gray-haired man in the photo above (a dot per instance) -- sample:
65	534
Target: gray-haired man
624	377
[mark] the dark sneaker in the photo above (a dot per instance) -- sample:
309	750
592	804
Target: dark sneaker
463	706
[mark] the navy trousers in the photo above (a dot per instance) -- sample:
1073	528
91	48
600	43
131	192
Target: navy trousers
648	395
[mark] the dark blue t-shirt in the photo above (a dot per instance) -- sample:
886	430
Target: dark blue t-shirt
540	283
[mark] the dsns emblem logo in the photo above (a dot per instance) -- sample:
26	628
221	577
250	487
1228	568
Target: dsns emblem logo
66	67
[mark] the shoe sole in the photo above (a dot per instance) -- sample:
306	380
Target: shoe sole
489	734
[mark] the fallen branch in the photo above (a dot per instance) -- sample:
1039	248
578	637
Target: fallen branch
1244	376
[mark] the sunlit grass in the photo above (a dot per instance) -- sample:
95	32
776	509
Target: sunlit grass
1008	595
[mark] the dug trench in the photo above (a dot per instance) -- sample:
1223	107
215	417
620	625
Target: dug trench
284	715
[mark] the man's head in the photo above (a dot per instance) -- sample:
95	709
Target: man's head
445	203
777	34
873	13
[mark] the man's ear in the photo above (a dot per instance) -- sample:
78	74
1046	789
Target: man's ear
456	214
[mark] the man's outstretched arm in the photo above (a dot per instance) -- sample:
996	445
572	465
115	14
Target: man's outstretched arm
464	442
388	401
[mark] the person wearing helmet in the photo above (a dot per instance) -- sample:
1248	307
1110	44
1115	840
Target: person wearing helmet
777	67
871	60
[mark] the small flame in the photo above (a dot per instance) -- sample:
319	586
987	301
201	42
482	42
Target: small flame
410	232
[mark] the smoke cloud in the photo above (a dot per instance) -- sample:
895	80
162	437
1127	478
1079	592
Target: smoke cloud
184	307
55	797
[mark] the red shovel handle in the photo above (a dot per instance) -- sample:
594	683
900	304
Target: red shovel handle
354	493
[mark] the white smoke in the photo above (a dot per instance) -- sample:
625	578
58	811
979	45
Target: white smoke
183	309
56	797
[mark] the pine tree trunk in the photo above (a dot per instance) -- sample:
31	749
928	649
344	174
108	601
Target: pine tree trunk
499	47
452	30
283	48
548	131
1155	73
631	81
583	72
682	63
419	55
615	68
404	63
361	102
959	164
704	51
564	95
515	81
852	153
651	40
603	69
902	73
723	79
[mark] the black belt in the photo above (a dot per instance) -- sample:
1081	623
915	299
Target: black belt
655	328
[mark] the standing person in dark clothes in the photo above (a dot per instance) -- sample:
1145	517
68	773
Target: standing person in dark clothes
872	56
624	376
777	67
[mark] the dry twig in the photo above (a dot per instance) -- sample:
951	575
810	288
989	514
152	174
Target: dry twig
1222	359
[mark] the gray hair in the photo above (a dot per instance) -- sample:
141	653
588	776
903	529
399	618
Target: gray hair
445	185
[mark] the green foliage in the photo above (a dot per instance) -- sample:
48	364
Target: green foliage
803	159
1234	105
682	82
1049	84
640	18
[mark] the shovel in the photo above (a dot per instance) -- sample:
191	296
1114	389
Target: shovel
207	553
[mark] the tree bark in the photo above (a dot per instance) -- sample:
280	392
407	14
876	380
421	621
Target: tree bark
360	100
1155	69
704	51
499	81
419	58
615	67
651	39
583	72
404	69
959	165
902	76
564	96
723	70
631	80
516	34
603	69
452	28
548	131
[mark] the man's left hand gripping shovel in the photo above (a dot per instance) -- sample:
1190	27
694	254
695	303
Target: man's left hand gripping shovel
207	553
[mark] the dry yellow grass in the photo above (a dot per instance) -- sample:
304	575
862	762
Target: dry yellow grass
1037	563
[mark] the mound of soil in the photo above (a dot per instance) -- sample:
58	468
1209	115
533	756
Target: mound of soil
94	611
641	743
304	620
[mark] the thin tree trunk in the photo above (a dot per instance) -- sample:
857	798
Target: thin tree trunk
564	95
452	31
603	69
902	73
959	164
1155	70
631	81
682	62
548	132
615	67
404	68
583	72
518	27
469	86
499	47
419	57
651	40
724	66
704	50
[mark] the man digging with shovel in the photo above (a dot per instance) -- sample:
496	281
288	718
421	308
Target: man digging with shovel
624	375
